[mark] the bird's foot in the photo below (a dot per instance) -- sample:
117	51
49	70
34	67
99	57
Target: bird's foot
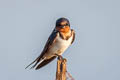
59	57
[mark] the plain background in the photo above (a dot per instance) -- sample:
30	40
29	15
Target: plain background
25	26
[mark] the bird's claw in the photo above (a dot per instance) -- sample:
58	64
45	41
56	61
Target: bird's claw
59	57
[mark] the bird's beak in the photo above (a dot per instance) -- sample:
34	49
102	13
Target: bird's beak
62	26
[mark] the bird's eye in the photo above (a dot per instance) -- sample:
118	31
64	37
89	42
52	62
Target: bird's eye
66	24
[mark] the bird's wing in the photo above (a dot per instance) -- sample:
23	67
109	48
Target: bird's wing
73	33
50	41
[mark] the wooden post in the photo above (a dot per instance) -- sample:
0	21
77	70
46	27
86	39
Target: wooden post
61	69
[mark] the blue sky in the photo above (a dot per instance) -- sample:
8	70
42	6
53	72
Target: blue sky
25	26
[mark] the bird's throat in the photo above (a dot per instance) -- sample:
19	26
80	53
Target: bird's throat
66	35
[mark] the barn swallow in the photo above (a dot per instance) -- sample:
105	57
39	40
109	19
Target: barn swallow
60	39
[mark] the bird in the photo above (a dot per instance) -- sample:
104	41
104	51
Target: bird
60	39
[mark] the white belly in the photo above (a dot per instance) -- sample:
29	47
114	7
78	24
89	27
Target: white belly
59	46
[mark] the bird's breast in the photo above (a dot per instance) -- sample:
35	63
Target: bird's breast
60	45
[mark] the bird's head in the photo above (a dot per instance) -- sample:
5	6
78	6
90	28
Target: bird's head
63	25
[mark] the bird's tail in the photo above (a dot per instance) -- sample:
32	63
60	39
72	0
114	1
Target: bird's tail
36	61
42	61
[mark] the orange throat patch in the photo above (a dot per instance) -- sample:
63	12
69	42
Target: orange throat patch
63	30
66	32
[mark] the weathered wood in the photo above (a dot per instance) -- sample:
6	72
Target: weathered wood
63	73
61	69
58	72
